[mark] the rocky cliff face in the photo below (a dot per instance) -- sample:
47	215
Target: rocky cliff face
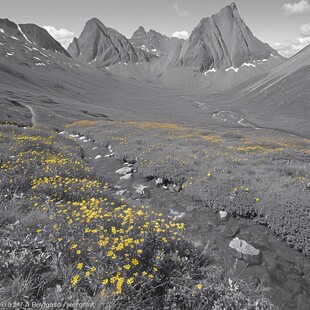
223	41
104	46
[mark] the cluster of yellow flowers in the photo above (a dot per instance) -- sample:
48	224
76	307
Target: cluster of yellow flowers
106	238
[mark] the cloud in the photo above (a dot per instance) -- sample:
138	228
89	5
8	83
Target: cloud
181	34
180	12
63	36
305	30
296	8
291	47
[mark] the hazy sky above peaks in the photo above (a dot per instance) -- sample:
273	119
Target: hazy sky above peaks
284	24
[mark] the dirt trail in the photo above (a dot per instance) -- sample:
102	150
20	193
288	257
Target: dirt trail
34	117
285	270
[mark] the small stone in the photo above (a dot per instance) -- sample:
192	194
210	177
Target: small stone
308	186
245	251
176	214
159	182
98	156
124	170
126	176
121	192
141	192
223	214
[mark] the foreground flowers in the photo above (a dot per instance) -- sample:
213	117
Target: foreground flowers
80	243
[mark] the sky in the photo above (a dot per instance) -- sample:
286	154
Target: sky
284	24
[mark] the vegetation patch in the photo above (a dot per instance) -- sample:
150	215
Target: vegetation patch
265	178
65	239
83	123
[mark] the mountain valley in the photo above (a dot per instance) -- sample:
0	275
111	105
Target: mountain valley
210	133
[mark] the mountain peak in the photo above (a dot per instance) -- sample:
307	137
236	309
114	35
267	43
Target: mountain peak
223	41
8	23
230	7
151	41
95	22
234	6
103	46
140	32
141	28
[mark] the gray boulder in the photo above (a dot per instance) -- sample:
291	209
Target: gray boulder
245	251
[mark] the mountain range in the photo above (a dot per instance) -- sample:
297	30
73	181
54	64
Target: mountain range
103	72
216	50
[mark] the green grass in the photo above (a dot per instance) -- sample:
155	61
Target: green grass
65	238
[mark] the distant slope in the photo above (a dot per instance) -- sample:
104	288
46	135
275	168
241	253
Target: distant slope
277	99
282	95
